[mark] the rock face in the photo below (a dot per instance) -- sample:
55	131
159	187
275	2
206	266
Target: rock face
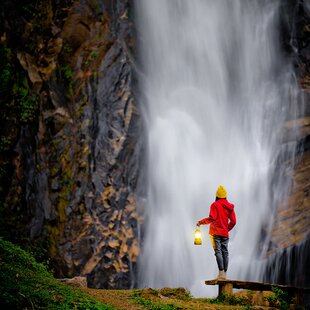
288	254
78	173
291	224
288	251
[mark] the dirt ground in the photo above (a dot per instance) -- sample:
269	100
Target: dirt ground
120	299
124	299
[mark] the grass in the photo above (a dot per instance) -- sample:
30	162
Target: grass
149	304
26	284
152	299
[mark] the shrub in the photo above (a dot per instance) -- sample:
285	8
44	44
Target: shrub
230	300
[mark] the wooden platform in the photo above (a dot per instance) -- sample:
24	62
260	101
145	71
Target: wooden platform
226	287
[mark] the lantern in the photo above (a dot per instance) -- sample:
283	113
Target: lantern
198	235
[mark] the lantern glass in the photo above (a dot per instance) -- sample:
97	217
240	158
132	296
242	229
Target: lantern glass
198	235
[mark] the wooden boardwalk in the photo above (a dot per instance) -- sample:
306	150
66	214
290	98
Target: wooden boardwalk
226	287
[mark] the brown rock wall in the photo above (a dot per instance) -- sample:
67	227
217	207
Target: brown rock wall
77	175
292	219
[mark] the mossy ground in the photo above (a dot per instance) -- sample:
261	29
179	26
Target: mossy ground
26	284
163	299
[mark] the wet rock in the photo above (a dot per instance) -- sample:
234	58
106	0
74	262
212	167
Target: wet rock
297	130
292	222
76	29
28	64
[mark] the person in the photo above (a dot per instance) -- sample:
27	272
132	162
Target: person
222	219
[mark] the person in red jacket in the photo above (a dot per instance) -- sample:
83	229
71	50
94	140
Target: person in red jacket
222	219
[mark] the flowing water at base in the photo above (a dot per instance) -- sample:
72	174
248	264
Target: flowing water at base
216	91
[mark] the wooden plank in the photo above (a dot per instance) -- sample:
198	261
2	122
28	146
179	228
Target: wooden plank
226	287
255	286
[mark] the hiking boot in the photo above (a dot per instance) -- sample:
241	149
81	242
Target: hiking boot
222	275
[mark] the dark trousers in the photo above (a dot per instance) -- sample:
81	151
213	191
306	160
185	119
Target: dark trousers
220	246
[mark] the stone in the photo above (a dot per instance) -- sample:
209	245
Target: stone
113	244
77	281
28	64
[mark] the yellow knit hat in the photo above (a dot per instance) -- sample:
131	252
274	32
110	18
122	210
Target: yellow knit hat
221	192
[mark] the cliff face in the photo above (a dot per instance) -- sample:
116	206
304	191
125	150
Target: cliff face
75	165
292	220
288	253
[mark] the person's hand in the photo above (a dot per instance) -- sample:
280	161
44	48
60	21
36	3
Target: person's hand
198	224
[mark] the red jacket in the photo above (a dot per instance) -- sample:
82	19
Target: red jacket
222	218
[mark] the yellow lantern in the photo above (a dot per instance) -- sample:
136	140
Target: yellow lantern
198	235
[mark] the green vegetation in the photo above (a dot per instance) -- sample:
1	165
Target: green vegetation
5	70
148	304
19	107
5	76
28	102
281	299
18	102
231	300
93	54
66	73
26	284
29	8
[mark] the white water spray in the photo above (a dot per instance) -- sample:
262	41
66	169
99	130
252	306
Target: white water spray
216	91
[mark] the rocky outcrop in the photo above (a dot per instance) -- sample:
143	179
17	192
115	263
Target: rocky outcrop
77	173
288	251
292	222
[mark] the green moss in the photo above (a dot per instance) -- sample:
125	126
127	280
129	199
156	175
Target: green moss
62	170
6	70
5	144
94	54
53	235
26	284
66	74
28	105
67	48
61	208
20	104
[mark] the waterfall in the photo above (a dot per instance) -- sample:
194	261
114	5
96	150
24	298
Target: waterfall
216	91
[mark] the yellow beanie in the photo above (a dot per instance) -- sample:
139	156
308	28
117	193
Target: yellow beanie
221	192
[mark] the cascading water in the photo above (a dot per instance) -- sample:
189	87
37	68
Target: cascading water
217	92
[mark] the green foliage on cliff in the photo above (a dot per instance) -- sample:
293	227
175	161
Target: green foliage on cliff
66	73
18	109
26	284
5	66
27	101
19	105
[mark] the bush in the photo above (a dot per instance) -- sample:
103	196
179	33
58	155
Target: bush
231	300
280	299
